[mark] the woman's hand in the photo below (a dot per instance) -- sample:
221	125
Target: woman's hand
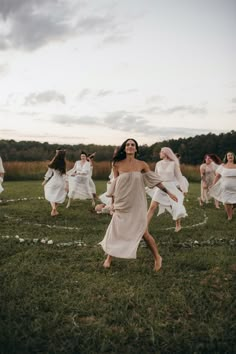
172	196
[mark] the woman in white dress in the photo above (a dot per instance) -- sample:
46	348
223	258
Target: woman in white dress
168	170
91	182
2	172
55	187
78	178
224	184
208	171
129	220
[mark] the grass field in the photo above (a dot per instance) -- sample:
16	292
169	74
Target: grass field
56	297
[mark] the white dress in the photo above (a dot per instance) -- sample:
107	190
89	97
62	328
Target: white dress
129	221
225	189
171	176
91	182
79	187
104	196
54	189
1	178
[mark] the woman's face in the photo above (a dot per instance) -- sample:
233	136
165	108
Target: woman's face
162	154
208	159
230	157
130	147
83	157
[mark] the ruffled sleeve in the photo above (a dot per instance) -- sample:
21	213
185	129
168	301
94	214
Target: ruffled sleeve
1	166
151	179
111	188
219	170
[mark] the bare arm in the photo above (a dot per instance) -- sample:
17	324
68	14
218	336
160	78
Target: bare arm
216	179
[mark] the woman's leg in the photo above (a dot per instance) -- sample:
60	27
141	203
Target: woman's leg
54	211
229	211
153	247
151	210
217	204
107	262
178	225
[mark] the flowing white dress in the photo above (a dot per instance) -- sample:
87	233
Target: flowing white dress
129	221
79	187
171	176
92	185
225	189
54	189
1	178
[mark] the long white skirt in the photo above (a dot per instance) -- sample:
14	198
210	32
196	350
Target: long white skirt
176	209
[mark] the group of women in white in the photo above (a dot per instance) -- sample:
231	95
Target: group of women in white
129	183
76	183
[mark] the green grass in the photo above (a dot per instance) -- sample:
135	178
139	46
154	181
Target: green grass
58	298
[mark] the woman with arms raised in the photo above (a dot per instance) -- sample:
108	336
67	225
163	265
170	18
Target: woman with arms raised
129	220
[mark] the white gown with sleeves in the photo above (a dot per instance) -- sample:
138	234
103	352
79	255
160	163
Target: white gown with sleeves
129	221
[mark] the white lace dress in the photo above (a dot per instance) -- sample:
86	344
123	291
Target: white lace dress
225	189
79	187
129	221
209	171
171	176
54	189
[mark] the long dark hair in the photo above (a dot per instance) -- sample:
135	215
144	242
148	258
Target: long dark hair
121	154
225	159
58	162
215	158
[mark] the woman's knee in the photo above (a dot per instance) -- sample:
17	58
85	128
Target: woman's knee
153	206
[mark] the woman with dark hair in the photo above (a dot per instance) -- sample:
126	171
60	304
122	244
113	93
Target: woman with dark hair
129	220
207	171
2	172
224	184
55	181
79	177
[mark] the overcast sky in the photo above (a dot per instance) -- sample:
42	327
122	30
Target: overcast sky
100	71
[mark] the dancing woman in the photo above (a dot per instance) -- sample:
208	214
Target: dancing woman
54	183
129	221
168	170
2	172
224	184
208	171
79	180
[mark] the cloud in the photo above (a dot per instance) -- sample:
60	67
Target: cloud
125	121
234	100
31	24
68	120
185	109
44	97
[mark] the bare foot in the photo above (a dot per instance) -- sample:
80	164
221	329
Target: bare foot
178	228
200	202
54	212
158	264
107	263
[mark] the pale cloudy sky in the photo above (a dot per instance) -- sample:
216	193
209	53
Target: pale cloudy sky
99	71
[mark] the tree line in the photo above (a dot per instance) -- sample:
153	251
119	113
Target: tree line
192	150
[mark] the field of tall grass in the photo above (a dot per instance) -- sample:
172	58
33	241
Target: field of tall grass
56	297
16	171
